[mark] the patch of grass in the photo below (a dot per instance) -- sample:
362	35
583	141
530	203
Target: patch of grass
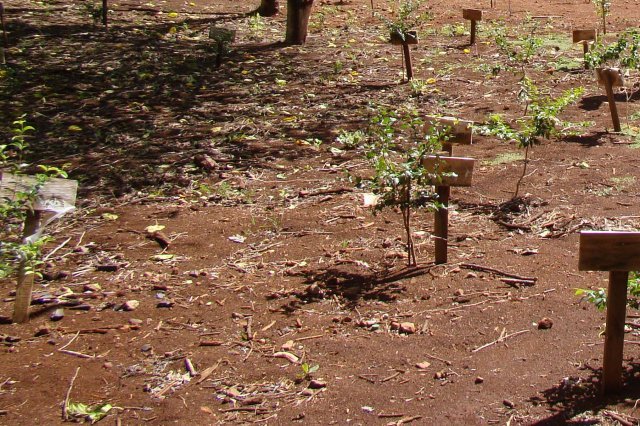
504	158
621	183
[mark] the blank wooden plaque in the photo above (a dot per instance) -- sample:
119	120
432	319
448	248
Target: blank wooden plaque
53	195
614	75
461	131
584	35
609	251
472	14
461	166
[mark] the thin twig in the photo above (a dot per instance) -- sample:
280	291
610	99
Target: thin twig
500	339
65	404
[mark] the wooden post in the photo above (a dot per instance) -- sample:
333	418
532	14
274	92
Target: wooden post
407	60
448	171
5	40
585	37
618	253
404	40
54	195
472	15
441	224
25	271
105	9
614	331
610	78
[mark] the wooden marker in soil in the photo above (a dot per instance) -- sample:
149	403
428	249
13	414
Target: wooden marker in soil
473	15
459	131
586	37
618	253
462	168
410	37
53	195
610	78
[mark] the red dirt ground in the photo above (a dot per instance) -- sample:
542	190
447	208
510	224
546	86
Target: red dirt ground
311	271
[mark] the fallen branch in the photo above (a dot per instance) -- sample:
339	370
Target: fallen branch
65	403
516	281
499	340
496	271
305	194
617	417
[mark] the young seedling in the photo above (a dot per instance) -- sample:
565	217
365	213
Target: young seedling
53	195
401	31
610	78
586	37
473	15
459	131
618	253
223	37
603	7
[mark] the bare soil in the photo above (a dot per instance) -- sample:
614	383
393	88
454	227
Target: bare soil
271	249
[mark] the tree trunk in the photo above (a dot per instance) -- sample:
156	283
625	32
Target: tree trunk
267	8
298	12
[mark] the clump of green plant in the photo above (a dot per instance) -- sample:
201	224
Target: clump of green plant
13	211
81	411
598	297
405	20
520	51
418	87
398	144
624	52
256	26
351	140
94	11
603	7
454	30
307	371
540	120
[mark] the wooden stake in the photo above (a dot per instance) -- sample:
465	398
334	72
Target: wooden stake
104	12
614	332
473	33
441	226
608	85
5	40
407	60
25	279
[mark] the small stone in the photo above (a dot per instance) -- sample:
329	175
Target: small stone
508	404
545	323
94	287
478	380
307	392
407	327
471	275
107	365
107	268
423	365
57	315
135	321
165	304
44	331
146	348
317	384
205	162
288	345
458	292
130	305
462	299
439	375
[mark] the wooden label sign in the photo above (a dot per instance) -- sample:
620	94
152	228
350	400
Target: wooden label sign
609	74
410	37
223	35
460	168
609	251
55	194
460	131
472	14
584	35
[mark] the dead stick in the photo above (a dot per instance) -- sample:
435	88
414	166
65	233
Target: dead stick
65	404
300	339
189	366
619	418
496	271
439	359
386	379
390	415
500	339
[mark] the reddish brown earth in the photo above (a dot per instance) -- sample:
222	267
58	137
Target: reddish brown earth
313	269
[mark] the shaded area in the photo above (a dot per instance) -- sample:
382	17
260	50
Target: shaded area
576	395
